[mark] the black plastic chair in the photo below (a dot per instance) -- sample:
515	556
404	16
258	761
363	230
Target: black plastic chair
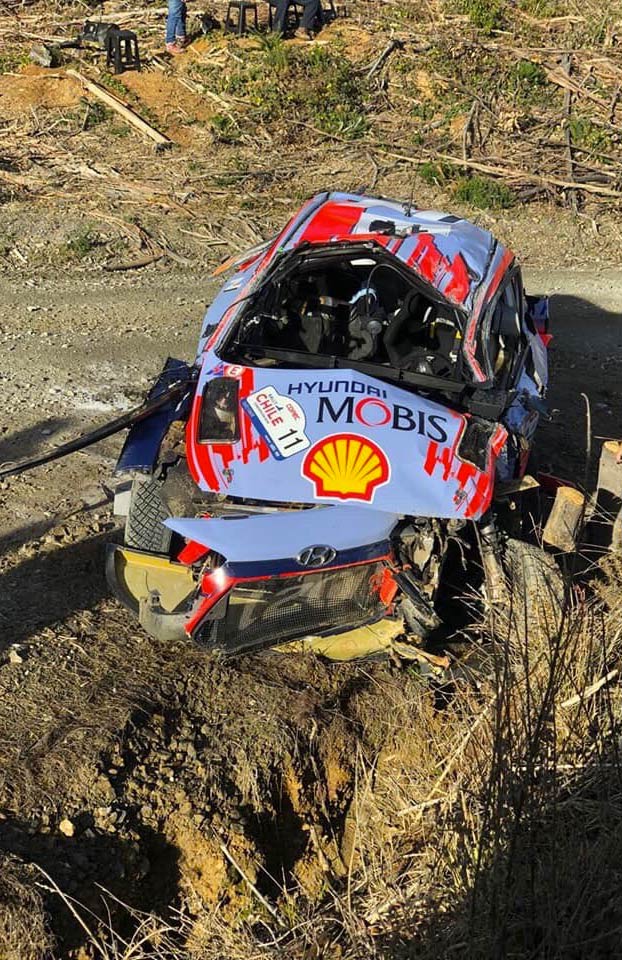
241	7
295	8
122	50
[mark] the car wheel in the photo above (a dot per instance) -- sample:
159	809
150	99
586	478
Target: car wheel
535	593
144	528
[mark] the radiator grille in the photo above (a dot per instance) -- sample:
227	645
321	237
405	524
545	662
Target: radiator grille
268	612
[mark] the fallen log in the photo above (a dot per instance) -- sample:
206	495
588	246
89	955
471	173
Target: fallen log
134	264
122	109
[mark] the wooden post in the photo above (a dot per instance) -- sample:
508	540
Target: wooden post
563	526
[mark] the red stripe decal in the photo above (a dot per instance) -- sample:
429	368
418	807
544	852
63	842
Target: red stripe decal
333	220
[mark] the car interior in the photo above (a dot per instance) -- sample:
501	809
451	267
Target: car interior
357	308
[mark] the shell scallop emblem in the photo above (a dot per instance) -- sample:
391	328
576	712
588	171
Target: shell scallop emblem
346	467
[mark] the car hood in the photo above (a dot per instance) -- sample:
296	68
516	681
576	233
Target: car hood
343	438
274	536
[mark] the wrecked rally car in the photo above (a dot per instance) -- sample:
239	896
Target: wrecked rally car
354	430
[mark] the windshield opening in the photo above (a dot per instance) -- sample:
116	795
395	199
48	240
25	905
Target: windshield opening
351	307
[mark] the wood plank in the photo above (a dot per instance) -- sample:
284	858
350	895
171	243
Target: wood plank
121	108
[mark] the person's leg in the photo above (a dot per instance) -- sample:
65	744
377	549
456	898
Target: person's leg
280	16
181	27
173	20
311	12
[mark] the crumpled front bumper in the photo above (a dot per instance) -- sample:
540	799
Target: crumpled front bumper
338	613
159	591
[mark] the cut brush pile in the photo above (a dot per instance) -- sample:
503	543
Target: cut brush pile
463	105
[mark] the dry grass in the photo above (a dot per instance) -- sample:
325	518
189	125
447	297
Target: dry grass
24	934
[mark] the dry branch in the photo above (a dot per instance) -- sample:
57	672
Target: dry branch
572	194
590	691
514	174
134	264
560	77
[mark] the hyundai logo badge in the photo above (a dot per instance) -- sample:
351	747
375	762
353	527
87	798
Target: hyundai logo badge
317	556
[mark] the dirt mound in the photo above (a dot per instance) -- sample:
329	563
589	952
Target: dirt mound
36	89
168	778
174	107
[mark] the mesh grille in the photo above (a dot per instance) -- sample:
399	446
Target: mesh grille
268	612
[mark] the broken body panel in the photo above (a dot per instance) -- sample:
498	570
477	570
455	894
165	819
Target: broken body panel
372	367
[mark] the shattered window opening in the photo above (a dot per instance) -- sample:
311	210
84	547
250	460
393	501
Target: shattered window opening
352	308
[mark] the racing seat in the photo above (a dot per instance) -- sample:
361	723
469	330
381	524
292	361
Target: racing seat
407	338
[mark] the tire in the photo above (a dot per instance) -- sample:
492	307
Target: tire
536	597
144	528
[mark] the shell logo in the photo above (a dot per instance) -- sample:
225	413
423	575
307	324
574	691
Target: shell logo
346	466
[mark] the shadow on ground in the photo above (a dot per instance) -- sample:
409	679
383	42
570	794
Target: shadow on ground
100	875
51	585
585	356
31	441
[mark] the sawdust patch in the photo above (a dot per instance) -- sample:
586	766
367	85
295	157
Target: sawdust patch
36	89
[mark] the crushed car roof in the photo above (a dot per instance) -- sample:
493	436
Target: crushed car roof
452	254
464	263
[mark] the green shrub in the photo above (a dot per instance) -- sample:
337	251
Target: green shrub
11	62
486	15
541	8
275	53
484	193
96	113
585	133
528	82
81	243
436	174
225	128
279	82
530	74
336	101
